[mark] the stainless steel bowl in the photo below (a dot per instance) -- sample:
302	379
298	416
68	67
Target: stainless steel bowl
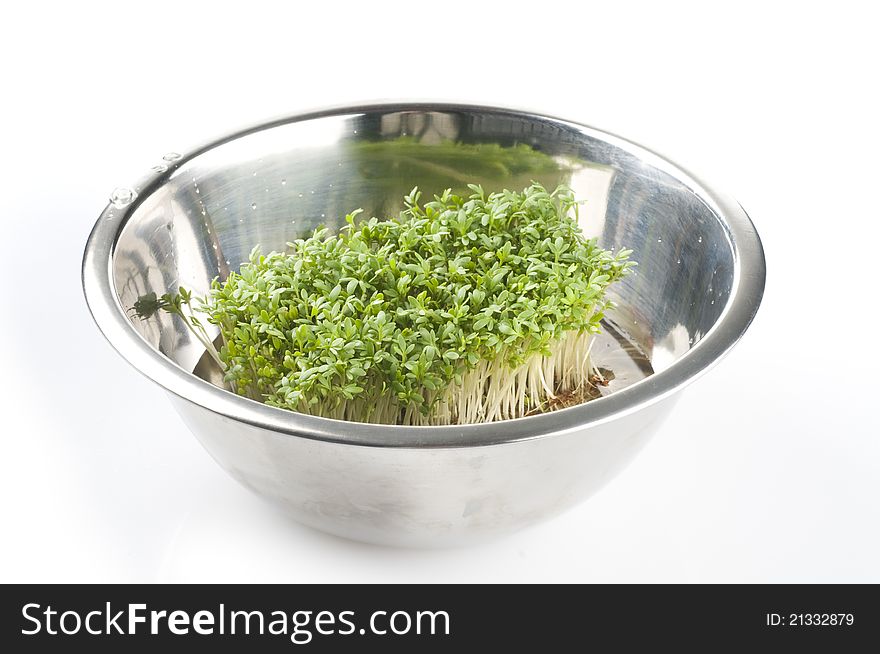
697	287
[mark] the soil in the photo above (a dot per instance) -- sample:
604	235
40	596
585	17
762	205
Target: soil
580	395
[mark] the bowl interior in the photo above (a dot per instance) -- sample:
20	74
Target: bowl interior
200	218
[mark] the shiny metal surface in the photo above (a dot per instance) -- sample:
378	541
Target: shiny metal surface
698	285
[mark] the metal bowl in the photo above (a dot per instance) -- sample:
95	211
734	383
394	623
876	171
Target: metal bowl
697	287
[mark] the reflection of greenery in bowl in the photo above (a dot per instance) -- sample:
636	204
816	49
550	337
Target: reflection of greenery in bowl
394	167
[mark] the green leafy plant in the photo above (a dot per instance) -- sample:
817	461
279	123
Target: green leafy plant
460	310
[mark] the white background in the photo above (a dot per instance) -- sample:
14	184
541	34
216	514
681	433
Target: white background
768	468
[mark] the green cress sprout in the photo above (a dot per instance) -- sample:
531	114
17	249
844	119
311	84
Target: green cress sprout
461	310
178	305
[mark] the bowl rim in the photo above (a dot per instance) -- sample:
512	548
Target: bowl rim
742	304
